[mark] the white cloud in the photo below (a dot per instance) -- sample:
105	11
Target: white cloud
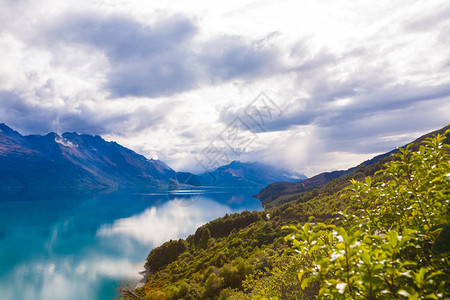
343	72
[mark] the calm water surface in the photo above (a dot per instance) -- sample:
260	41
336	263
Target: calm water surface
64	245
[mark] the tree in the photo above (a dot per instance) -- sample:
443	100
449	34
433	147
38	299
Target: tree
206	235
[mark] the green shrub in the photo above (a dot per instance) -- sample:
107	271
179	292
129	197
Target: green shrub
213	285
395	246
165	254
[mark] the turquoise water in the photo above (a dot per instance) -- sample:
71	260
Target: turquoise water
65	245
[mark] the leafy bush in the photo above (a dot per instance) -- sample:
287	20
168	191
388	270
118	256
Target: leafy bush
395	246
165	254
213	285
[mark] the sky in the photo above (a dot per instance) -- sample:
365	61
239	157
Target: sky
310	86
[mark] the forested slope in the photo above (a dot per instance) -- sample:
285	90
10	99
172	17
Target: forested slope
282	192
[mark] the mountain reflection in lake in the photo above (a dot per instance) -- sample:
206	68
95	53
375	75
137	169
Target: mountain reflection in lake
63	245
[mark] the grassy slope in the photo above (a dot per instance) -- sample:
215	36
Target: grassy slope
229	256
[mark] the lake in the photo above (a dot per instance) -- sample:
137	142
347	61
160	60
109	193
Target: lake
69	245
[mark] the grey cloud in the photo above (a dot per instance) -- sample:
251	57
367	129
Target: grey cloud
430	20
387	99
21	115
444	36
123	38
31	118
376	107
369	87
401	96
162	76
232	57
164	59
381	132
313	63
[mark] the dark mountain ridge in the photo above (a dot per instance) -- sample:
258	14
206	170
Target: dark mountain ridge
74	160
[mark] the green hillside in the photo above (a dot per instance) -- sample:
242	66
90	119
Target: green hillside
354	237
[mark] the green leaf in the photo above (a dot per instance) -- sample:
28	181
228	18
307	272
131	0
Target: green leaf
306	282
392	238
365	257
409	292
300	275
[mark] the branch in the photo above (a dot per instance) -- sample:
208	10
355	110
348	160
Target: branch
128	291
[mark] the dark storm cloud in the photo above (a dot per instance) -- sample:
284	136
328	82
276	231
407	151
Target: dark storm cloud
163	59
124	39
363	105
231	57
21	115
28	118
383	131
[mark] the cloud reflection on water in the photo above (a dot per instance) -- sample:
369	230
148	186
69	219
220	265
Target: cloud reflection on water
155	225
65	279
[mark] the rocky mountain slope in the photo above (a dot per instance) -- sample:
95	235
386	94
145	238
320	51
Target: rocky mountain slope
74	160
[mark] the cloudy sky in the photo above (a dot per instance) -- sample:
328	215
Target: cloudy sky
349	79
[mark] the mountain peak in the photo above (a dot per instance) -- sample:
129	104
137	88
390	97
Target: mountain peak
73	133
4	127
8	130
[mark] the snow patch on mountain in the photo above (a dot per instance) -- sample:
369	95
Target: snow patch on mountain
65	142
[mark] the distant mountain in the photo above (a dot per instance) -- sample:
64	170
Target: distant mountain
86	161
74	160
184	179
281	192
247	174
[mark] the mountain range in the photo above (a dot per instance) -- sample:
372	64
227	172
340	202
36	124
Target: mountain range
73	160
281	192
237	174
85	161
250	174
